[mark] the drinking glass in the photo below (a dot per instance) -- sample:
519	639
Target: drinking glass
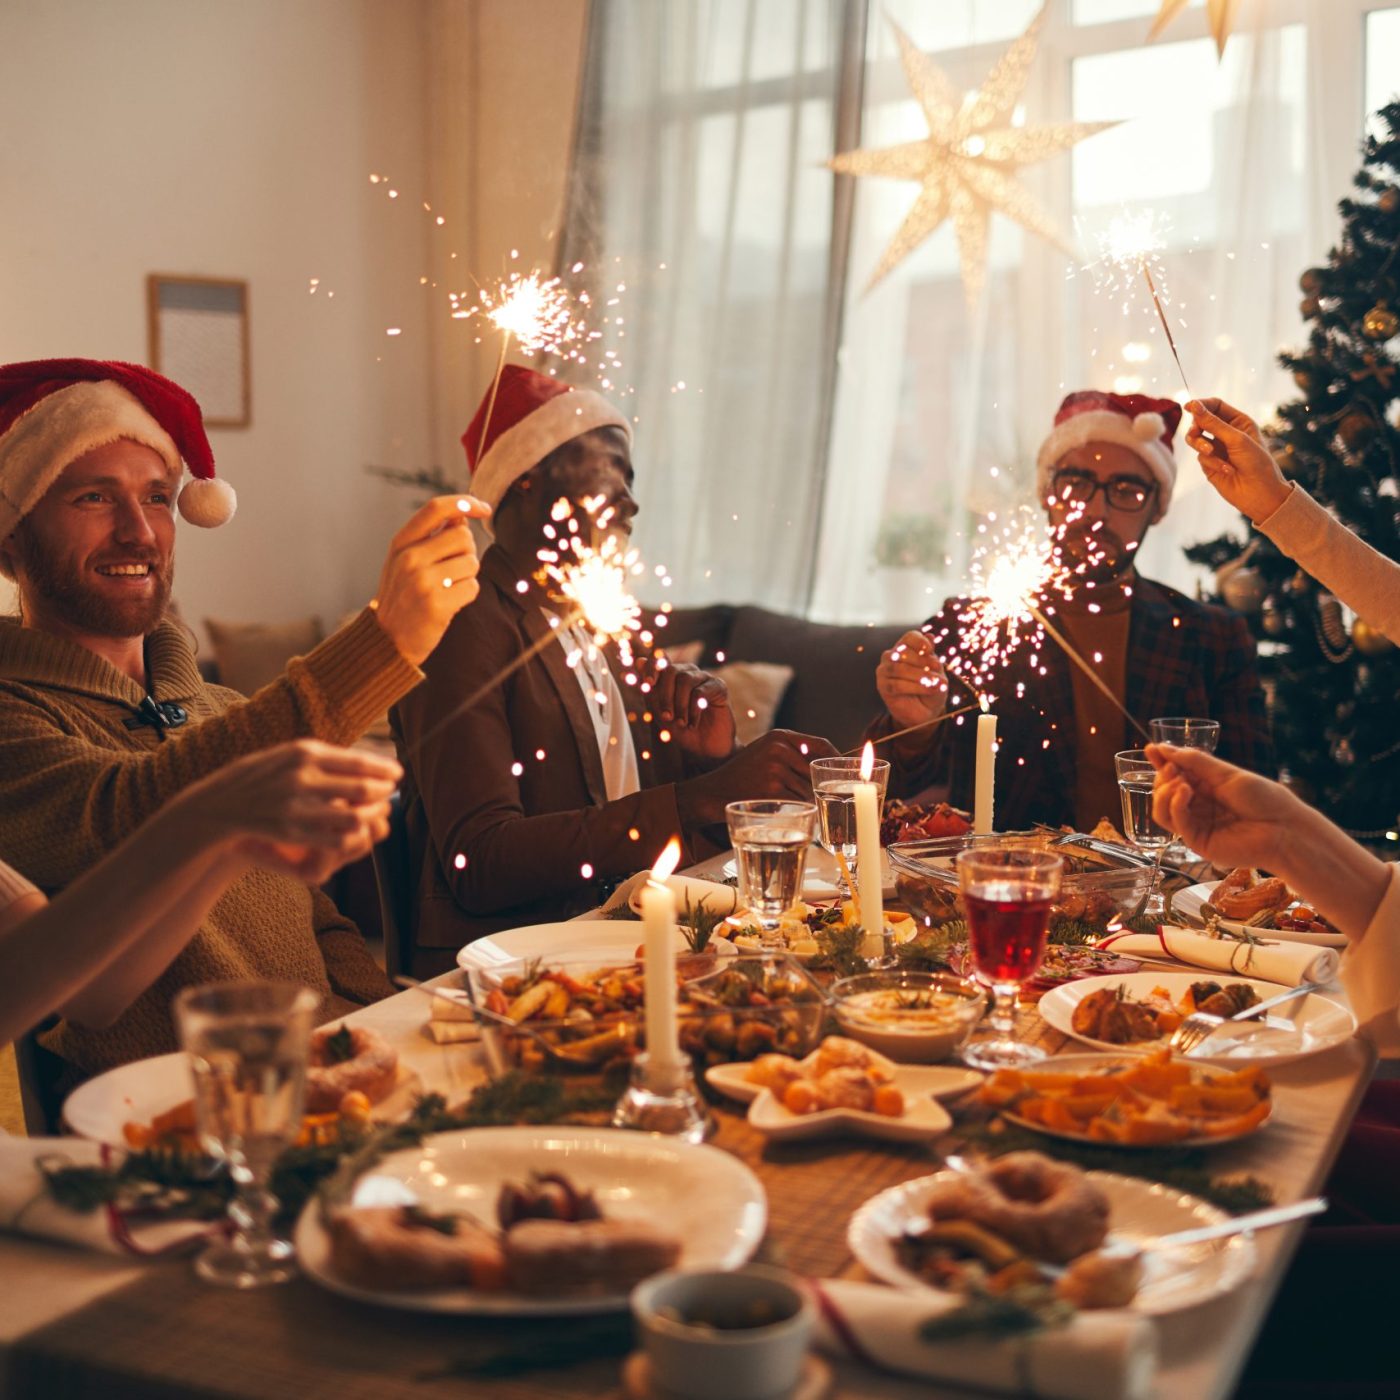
1135	777
1185	732
770	840
247	1043
834	783
1007	894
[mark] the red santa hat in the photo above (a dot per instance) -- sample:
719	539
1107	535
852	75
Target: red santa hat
54	411
1137	421
531	416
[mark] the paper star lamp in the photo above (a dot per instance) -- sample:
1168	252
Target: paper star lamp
967	164
1220	14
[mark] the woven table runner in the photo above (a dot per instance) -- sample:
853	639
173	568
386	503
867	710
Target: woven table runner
170	1335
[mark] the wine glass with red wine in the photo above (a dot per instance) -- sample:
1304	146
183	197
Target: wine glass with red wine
1007	894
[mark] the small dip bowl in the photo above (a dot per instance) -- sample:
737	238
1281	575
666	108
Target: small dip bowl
913	1017
724	1336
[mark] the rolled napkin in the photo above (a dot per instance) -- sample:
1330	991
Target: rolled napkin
1289	964
720	899
1096	1356
27	1206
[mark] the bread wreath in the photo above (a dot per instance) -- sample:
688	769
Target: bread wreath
372	1069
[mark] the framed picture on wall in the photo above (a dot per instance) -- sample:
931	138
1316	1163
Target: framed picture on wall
199	338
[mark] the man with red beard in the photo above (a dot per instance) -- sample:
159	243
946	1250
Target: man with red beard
1106	473
103	713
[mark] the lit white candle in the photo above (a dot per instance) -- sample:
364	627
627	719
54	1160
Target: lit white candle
868	876
986	771
659	930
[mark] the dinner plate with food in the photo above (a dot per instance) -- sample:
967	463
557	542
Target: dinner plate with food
1132	1101
842	1088
607	940
1246	902
1139	1012
353	1073
541	1220
1025	1218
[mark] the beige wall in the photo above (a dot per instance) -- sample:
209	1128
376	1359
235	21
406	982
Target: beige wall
235	138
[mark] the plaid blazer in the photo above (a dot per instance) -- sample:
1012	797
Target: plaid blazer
1184	658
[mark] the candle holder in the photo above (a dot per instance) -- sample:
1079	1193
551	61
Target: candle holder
662	1098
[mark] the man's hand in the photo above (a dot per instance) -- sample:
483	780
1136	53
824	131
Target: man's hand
776	765
694	706
1232	454
1231	817
911	681
429	575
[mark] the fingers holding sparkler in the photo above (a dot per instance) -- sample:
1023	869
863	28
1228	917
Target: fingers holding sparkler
429	574
912	681
1231	451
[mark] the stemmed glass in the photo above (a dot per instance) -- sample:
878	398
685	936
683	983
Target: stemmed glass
248	1045
1007	894
834	782
770	840
1135	778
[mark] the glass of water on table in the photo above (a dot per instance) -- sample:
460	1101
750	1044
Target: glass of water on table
1186	732
248	1044
1135	778
834	783
770	839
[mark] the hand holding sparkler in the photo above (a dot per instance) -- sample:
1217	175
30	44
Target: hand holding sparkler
777	764
693	707
912	682
429	575
1231	451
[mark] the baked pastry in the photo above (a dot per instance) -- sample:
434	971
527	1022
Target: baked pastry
589	1256
404	1247
348	1059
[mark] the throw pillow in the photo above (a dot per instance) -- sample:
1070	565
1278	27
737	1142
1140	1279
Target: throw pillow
250	654
755	692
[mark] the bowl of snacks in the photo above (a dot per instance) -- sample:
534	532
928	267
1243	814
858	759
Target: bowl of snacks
579	1017
1103	884
912	1017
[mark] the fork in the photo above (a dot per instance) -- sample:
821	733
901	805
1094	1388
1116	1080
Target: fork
1199	1024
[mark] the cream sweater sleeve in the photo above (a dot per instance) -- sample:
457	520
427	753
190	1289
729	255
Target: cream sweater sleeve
1365	580
1371	973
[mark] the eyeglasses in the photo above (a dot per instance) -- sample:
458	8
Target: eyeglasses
1127	493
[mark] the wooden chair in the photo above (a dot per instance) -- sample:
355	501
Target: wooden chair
39	1096
394	876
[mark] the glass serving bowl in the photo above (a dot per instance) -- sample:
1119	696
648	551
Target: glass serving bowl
1102	884
911	1017
589	1017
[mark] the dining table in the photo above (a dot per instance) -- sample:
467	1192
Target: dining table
77	1323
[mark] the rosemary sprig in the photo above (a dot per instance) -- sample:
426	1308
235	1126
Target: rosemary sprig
991	1316
698	923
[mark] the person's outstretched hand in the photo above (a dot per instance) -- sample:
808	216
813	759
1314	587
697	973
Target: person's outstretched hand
911	681
1233	457
777	764
1231	817
429	575
301	809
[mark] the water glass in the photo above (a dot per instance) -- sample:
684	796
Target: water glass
770	839
248	1044
1007	895
1185	732
1135	778
834	783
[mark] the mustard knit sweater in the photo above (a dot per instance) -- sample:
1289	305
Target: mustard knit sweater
75	779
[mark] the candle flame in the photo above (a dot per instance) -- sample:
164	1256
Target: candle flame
867	761
666	862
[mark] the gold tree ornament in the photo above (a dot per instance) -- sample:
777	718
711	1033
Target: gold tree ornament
1380	322
967	164
1368	641
1220	14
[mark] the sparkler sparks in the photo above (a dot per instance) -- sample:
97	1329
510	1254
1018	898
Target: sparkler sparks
538	313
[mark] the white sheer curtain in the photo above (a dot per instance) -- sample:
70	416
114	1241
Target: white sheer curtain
940	408
698	189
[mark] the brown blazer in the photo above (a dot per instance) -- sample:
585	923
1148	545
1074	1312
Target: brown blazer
494	849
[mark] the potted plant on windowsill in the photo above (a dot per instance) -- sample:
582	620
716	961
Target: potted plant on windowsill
909	553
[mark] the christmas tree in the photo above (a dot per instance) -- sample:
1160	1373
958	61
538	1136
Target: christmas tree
1333	683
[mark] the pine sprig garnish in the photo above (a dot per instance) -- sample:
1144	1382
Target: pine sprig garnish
698	924
989	1316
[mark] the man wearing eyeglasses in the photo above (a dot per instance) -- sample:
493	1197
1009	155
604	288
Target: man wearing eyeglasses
1106	473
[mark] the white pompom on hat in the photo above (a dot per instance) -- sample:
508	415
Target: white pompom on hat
1138	421
54	411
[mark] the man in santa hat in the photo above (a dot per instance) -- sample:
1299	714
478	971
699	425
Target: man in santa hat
1105	472
526	806
103	713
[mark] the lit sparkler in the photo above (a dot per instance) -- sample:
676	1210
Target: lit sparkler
1132	247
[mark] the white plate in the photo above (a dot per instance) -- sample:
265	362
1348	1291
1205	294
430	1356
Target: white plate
137	1092
1188	903
608	940
1103	1064
709	1199
821	873
929	1081
1139	1211
1298	1028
